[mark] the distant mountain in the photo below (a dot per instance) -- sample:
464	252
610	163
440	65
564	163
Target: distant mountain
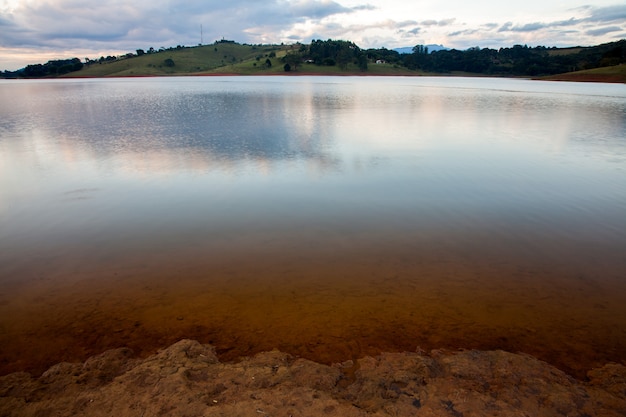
431	48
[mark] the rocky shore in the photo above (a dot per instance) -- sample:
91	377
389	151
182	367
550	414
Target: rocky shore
187	379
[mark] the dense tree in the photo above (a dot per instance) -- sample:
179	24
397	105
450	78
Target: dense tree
420	50
293	59
343	58
55	67
9	74
362	62
383	54
336	52
516	60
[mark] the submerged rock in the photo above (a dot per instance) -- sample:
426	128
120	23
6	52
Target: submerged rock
187	379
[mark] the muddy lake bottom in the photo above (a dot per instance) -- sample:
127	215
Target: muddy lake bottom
322	305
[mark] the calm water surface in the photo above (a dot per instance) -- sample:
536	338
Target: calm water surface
329	217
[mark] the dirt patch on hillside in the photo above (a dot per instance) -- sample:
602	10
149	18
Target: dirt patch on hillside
591	78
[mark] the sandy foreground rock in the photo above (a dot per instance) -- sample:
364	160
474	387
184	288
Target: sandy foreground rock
187	379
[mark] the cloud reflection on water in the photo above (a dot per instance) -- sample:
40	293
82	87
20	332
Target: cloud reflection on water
438	148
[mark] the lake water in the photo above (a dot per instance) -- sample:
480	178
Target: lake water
328	217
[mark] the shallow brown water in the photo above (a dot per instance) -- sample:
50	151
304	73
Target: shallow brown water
323	306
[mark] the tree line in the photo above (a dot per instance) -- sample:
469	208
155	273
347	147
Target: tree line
53	67
65	66
517	60
326	53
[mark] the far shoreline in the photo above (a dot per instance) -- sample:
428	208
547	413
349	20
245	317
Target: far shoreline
570	77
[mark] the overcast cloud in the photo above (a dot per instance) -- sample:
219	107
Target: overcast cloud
33	31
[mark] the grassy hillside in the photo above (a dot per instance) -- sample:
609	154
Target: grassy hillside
222	57
248	68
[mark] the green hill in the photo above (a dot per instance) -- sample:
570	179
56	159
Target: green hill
220	57
223	57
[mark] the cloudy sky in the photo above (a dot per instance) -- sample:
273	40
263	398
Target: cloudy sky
34	31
